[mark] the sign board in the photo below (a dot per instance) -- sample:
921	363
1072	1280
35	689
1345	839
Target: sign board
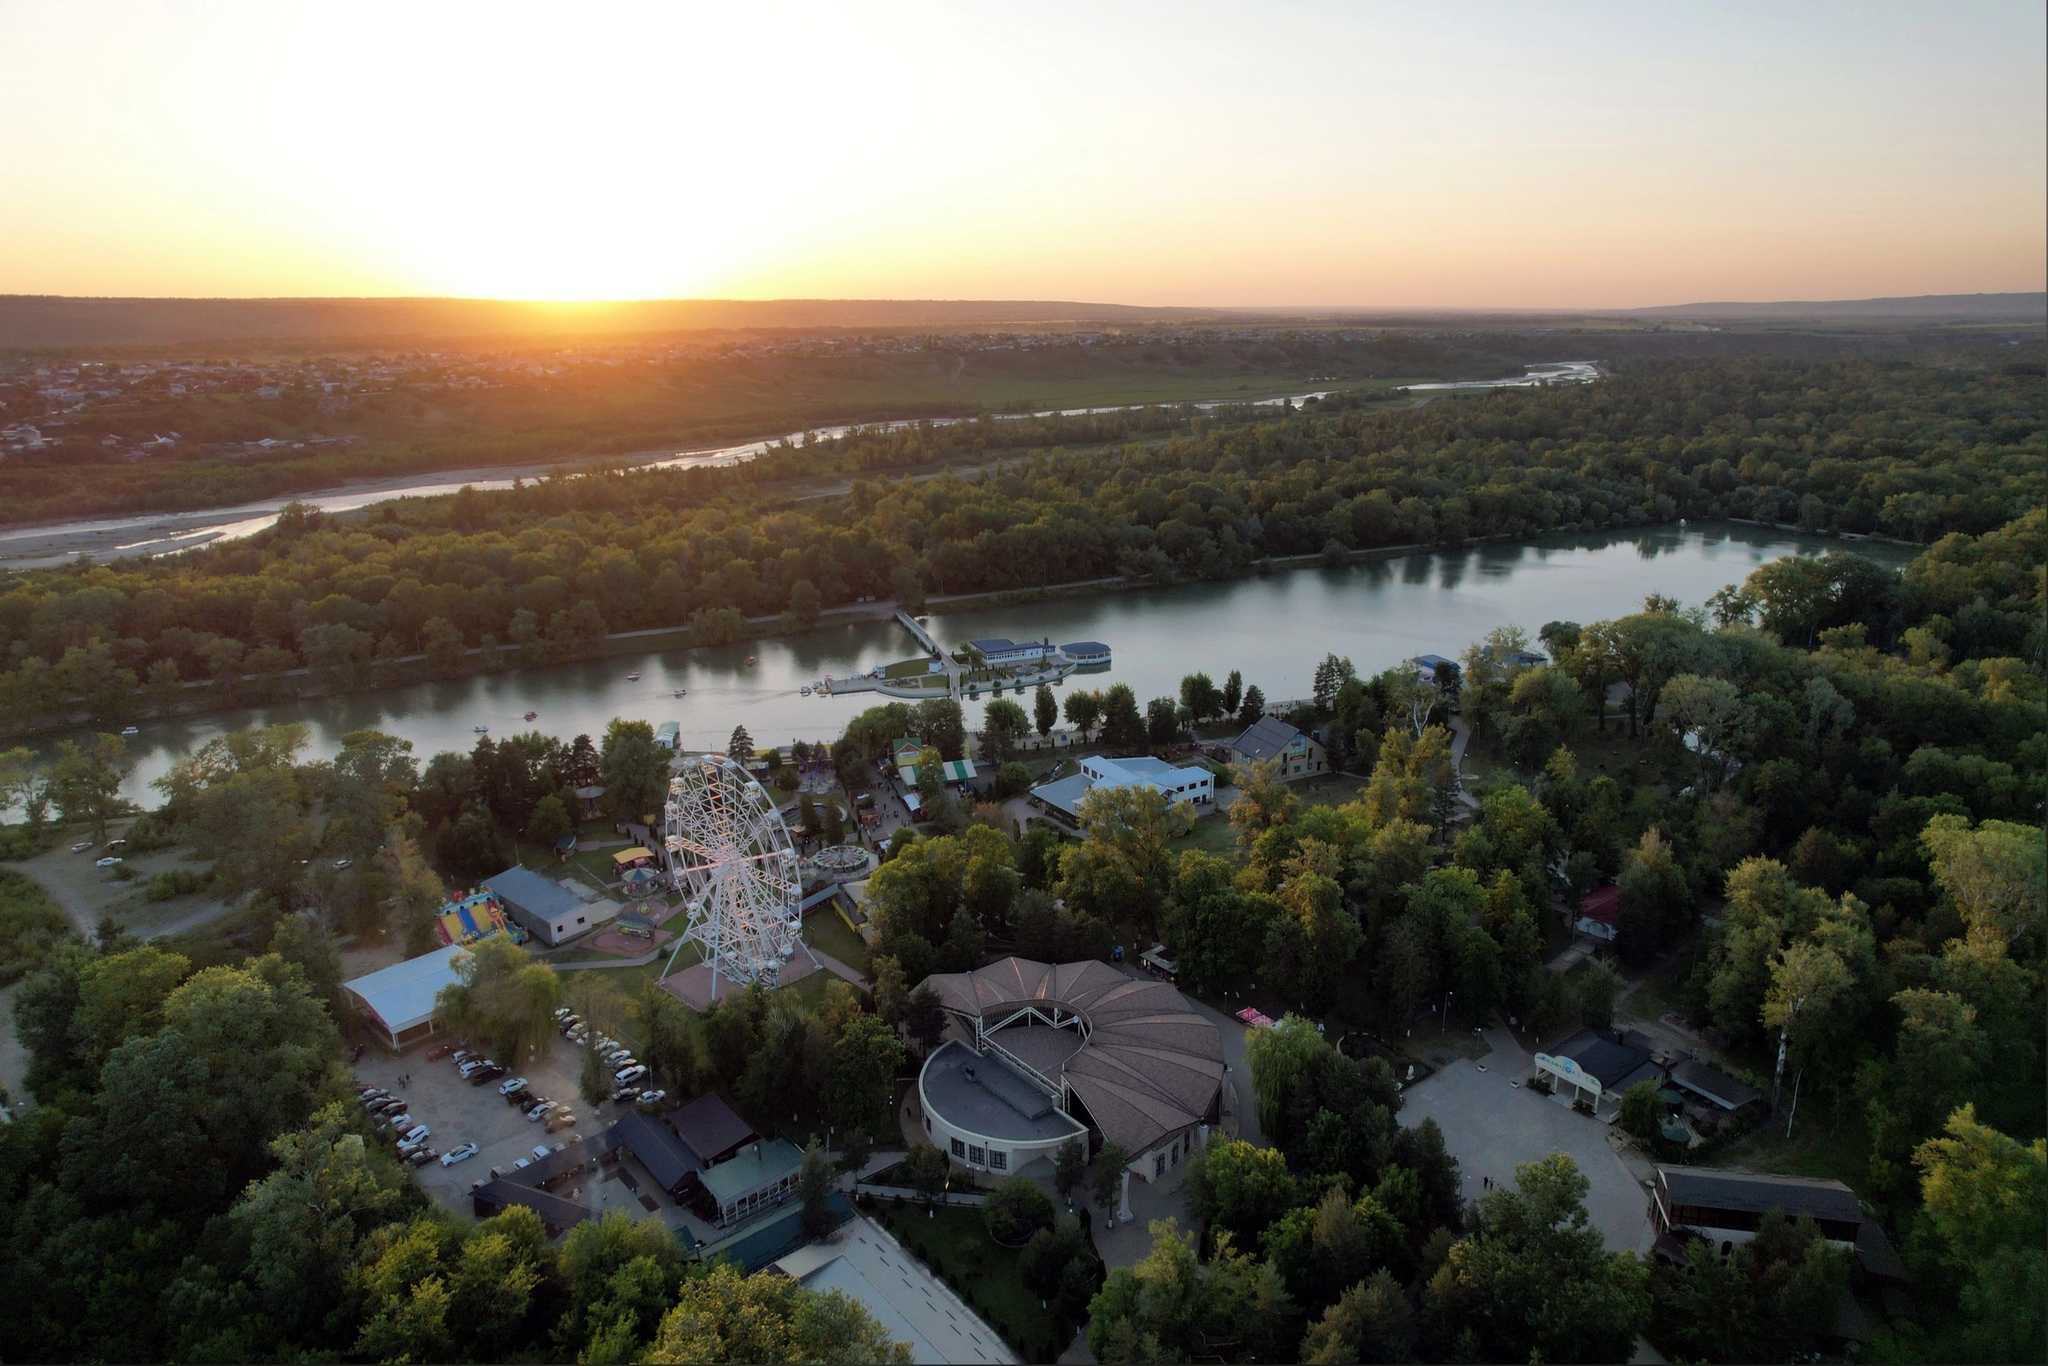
1569	1071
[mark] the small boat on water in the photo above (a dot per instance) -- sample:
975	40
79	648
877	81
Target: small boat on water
530	715
633	677
682	692
480	730
804	691
131	730
750	659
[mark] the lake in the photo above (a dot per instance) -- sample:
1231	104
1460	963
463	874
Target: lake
1274	628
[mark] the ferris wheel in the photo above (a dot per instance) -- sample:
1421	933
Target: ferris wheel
730	855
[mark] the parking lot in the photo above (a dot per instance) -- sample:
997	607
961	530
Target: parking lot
459	1113
1492	1127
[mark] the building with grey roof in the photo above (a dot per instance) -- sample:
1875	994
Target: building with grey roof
1723	1207
1269	738
1046	1054
549	911
1189	783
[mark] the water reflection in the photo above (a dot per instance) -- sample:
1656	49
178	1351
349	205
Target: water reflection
1273	628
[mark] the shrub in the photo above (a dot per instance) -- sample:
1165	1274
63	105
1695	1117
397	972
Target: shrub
1016	1210
176	883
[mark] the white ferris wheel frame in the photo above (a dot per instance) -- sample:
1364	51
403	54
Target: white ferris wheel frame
729	852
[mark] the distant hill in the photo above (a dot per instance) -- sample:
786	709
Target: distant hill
1923	307
30	320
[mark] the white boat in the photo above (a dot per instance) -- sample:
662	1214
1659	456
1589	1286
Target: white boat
131	730
479	730
804	691
633	677
680	692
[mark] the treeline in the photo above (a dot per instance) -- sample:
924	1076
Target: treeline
545	571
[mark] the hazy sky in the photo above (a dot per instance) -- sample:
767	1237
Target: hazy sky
1468	154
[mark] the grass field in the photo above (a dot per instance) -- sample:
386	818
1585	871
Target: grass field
955	1245
827	933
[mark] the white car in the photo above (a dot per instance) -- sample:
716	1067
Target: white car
108	862
417	1134
540	1150
506	1088
81	846
563	1012
626	1076
542	1110
455	1155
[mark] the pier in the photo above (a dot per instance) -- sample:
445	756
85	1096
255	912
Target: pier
924	637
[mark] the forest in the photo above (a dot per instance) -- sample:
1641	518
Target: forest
1820	795
1911	449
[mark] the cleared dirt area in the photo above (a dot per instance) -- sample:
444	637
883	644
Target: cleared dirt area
86	893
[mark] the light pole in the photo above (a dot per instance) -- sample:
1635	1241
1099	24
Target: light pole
1444	1025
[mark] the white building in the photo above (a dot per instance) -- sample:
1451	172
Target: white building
1187	783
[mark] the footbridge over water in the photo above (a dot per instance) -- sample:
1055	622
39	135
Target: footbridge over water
924	637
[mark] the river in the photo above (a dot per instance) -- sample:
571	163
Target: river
1274	628
166	533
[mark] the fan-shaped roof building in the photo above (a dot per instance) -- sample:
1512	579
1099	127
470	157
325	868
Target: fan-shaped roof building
1043	1053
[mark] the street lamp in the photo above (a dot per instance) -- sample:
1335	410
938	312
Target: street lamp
1444	1025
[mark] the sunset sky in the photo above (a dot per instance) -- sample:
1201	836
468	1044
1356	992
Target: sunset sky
1411	155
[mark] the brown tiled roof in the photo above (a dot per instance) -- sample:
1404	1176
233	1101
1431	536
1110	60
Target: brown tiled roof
1151	1066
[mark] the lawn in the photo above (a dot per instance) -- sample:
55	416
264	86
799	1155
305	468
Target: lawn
827	933
953	1243
1829	1140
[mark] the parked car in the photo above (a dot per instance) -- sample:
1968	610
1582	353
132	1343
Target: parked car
559	1121
543	1109
540	1150
563	1013
401	1123
521	1098
615	1057
469	1065
522	1162
423	1157
461	1154
389	1105
374	1097
490	1071
651	1099
625	1094
108	862
461	1056
342	863
626	1075
507	1088
81	846
417	1133
439	1051
406	1150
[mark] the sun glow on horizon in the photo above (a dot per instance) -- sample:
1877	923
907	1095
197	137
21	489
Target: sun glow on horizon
1319	155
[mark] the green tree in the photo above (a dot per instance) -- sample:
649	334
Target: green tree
1200	695
1641	1113
502	998
85	781
1083	709
1070	1167
670	1048
1171	1307
1773	1298
1370	1322
550	821
1984	1193
722	1316
1233	693
1994	874
1045	709
1253	707
865	1059
925	1170
814	1190
1120	872
1015	1210
1533	1278
1123	728
1656	900
415	892
366	791
633	768
1108	1173
1003	727
1241	1187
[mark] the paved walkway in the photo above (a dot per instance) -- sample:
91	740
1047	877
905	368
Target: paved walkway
1492	1124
